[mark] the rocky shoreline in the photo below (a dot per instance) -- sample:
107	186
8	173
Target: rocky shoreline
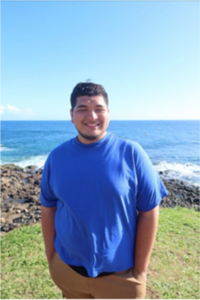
20	191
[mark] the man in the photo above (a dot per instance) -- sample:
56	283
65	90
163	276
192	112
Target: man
99	196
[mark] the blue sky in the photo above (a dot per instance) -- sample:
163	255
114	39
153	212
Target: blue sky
145	54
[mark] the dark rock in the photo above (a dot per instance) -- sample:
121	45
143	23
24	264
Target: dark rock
37	182
24	210
28	200
30	169
39	171
196	200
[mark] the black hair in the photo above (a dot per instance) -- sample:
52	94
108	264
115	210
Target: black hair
87	89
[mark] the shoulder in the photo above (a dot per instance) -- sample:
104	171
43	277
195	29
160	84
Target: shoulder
130	149
127	143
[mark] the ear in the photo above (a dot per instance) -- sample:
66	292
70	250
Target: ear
71	114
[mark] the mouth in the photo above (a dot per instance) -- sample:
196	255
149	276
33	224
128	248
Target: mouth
92	125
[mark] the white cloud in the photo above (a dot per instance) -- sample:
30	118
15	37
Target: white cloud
10	109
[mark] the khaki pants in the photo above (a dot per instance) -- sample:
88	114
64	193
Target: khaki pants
127	284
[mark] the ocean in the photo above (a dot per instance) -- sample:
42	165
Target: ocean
173	146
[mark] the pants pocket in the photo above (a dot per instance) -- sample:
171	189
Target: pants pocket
128	284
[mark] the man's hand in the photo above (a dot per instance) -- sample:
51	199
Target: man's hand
48	228
145	236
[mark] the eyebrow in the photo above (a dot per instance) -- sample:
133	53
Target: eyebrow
82	105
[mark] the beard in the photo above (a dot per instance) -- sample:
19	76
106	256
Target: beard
90	138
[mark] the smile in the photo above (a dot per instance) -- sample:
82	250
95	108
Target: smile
92	125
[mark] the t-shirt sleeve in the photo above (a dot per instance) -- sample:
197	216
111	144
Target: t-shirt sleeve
47	197
151	189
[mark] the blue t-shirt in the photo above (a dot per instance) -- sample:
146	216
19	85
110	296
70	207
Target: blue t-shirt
98	189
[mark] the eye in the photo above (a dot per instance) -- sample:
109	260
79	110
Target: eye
81	109
100	109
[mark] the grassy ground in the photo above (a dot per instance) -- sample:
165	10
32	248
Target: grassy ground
174	267
173	271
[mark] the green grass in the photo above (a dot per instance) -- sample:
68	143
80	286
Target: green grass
175	261
24	269
173	270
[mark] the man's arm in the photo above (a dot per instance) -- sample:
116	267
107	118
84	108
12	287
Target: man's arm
145	236
48	228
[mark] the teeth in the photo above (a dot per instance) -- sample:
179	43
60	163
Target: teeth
92	124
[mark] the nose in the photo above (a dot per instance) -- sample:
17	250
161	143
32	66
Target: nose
91	115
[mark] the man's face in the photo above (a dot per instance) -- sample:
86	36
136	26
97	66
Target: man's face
90	117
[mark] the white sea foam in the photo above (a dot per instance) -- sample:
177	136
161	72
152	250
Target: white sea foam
188	172
3	148
34	160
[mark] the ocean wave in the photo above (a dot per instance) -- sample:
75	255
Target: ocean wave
35	160
4	148
185	172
